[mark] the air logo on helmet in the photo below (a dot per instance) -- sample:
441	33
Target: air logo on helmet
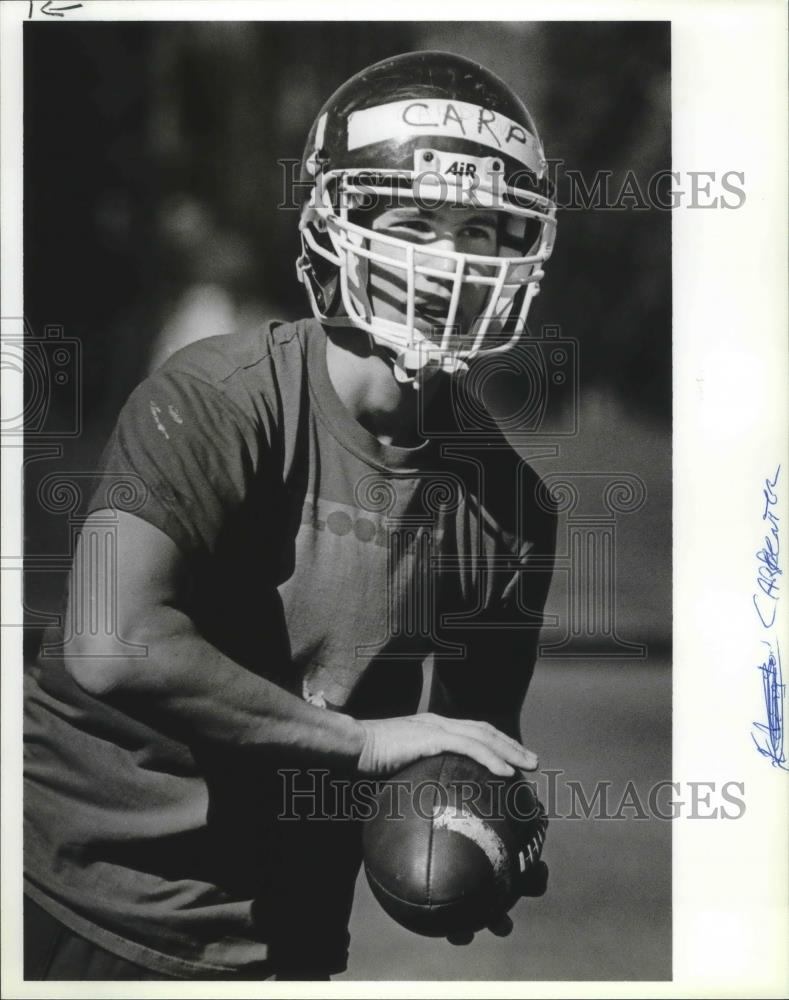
403	120
461	168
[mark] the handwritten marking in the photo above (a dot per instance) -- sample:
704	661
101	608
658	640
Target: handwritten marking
769	569
432	116
769	737
48	8
772	731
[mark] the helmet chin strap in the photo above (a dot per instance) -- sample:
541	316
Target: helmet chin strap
407	375
417	367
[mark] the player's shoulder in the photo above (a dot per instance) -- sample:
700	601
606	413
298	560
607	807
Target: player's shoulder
218	360
250	370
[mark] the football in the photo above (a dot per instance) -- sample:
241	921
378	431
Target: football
449	843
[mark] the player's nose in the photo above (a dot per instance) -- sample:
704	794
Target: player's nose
437	261
446	243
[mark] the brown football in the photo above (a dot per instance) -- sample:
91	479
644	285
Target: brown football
449	843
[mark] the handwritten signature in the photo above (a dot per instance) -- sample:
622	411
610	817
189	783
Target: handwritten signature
767	556
769	736
772	731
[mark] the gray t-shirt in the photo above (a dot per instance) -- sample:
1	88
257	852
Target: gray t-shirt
322	559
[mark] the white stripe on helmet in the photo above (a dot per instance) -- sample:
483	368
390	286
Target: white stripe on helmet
431	116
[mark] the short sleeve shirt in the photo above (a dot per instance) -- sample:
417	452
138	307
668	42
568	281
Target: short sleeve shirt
321	559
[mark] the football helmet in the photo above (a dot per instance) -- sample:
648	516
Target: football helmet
426	129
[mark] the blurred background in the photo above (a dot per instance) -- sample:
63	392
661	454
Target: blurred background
152	185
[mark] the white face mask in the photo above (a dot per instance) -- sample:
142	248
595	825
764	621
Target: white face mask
424	332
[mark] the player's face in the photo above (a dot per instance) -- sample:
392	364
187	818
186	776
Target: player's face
448	228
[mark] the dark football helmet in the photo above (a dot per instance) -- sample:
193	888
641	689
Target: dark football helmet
425	128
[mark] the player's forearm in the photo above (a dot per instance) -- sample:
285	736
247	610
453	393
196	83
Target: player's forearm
186	680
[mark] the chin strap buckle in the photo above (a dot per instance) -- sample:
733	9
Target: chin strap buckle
418	365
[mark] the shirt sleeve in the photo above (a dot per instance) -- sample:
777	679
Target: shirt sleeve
182	456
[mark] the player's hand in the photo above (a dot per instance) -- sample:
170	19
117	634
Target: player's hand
534	883
391	744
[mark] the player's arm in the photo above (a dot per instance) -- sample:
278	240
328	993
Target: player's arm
182	678
188	684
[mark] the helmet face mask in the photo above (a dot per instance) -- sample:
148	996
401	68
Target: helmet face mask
454	289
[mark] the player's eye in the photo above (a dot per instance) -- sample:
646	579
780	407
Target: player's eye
479	232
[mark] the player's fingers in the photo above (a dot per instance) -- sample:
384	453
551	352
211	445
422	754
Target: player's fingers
460	937
514	745
502	927
489	729
508	749
478	751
